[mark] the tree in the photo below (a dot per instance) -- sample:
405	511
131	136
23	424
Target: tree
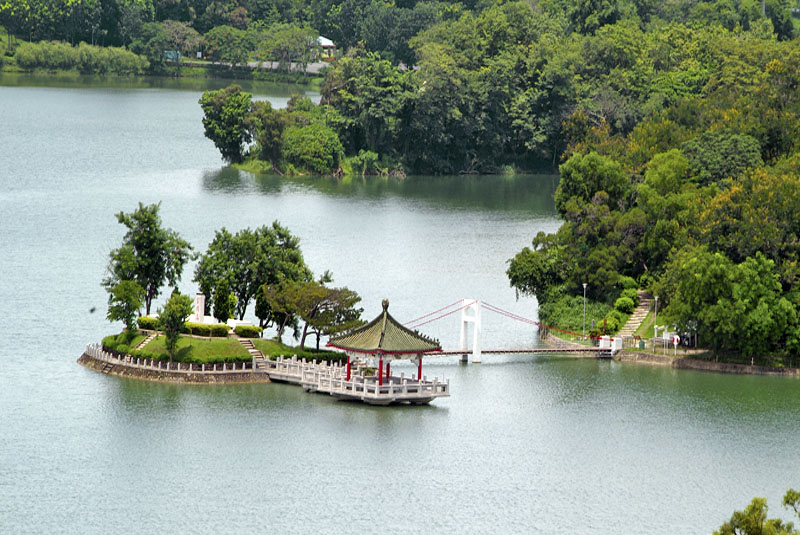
289	43
266	125
224	119
315	147
124	301
228	45
224	301
248	260
172	318
283	299
753	520
714	156
326	310
738	307
582	177
150	255
132	15
535	271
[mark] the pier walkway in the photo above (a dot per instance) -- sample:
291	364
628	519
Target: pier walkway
331	379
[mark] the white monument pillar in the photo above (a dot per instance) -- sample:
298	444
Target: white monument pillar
199	307
471	314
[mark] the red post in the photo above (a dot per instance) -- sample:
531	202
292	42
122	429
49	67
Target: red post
380	371
348	367
419	368
388	370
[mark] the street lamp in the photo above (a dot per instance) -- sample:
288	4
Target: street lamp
655	320
583	333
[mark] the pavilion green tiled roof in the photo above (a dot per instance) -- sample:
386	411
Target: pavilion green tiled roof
384	335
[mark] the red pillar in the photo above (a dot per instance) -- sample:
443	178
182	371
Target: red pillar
380	371
388	369
419	368
348	367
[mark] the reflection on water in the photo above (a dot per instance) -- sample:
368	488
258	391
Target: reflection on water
531	194
83	81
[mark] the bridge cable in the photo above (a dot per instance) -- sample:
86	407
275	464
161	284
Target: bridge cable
440	317
432	313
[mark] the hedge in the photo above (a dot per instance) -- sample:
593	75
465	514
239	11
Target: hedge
204	329
248	331
148	322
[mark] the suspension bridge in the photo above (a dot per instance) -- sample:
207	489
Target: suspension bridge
471	310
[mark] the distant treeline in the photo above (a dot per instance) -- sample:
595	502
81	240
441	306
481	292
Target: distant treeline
384	27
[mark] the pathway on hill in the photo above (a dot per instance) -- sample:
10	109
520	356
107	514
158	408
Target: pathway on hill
258	357
638	316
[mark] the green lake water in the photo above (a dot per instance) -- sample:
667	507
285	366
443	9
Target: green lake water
526	444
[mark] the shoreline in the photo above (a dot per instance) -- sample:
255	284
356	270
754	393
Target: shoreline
684	363
119	368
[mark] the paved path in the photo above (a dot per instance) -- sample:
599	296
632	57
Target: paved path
638	316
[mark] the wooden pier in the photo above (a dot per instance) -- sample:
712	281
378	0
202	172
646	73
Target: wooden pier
324	378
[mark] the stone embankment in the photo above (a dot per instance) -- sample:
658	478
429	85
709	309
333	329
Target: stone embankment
126	366
684	363
681	363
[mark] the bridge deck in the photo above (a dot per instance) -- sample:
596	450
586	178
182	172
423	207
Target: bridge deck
597	350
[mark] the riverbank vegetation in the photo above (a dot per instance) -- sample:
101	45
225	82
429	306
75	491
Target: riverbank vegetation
696	202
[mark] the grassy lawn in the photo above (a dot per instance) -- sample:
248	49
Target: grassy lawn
645	330
120	342
200	350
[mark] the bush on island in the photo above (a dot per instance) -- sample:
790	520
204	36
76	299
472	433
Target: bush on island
205	329
315	147
624	305
248	331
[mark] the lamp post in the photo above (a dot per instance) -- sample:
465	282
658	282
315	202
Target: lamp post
655	320
583	333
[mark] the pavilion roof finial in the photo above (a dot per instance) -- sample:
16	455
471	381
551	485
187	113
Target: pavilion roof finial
385	304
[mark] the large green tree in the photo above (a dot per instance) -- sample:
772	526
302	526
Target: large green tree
250	259
150	255
224	119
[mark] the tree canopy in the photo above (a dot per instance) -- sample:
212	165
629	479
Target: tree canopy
249	259
150	255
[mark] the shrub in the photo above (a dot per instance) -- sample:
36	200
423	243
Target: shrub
315	147
624	305
220	330
205	329
248	331
148	322
627	282
632	294
612	324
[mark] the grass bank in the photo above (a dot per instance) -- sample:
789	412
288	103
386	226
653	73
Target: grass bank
210	350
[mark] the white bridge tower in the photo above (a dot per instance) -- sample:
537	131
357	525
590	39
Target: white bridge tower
471	313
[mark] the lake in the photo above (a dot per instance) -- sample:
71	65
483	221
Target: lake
533	444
